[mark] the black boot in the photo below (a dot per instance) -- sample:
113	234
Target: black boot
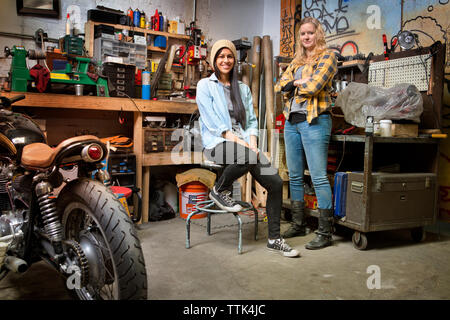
323	238
298	227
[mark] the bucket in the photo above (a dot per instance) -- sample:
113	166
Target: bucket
190	194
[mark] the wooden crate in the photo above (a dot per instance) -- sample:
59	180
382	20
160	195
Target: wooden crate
403	130
159	140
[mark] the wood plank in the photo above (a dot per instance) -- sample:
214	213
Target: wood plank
138	148
146	31
51	100
288	14
89	39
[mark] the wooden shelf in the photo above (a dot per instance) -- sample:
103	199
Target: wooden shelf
136	29
89	34
378	139
49	100
157	49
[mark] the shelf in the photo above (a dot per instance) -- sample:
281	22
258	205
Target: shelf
136	29
51	100
376	139
156	49
122	173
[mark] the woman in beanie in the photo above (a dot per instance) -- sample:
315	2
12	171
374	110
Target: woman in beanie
306	83
229	131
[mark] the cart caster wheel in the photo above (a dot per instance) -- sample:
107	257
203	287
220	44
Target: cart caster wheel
359	240
418	234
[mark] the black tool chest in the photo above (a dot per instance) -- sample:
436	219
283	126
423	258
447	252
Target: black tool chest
121	77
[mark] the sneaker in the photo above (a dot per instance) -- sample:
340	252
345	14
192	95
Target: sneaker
280	246
224	201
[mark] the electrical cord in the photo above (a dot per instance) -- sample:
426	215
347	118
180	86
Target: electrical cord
343	154
133	102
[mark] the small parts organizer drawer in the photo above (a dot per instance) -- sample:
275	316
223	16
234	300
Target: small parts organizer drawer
161	139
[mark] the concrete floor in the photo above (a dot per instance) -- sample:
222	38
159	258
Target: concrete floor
212	268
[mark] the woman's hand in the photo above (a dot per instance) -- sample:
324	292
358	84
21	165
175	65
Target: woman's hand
254	145
299	82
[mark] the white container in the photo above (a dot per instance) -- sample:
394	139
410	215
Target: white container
385	128
376	128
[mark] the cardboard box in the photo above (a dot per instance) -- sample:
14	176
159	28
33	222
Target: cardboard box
405	130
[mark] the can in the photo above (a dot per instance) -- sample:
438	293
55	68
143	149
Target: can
142	23
146	85
136	18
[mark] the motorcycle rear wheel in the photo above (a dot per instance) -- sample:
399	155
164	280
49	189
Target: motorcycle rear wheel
92	216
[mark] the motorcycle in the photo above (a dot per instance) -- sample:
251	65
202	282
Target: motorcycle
83	230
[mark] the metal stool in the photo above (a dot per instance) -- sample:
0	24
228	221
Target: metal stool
204	206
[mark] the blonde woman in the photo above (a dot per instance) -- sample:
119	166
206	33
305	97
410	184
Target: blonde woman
306	82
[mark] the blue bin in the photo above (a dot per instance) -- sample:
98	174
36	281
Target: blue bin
340	193
160	42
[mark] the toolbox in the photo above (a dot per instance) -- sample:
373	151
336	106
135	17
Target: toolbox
121	77
397	200
73	45
340	193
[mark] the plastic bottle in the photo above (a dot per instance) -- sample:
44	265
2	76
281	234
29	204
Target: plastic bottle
161	22
68	25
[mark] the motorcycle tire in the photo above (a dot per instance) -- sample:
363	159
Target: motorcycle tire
94	218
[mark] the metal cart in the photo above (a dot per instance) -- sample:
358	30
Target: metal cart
406	200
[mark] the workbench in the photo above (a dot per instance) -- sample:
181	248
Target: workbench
138	107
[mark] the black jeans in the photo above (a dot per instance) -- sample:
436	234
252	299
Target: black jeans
237	161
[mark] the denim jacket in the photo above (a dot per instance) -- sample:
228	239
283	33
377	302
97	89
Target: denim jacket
214	115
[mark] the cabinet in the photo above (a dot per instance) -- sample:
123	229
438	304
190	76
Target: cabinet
412	164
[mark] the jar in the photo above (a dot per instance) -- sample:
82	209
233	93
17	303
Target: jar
385	128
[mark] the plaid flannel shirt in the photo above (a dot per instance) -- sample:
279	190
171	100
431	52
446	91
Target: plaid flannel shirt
316	90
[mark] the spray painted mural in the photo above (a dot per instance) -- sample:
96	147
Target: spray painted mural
357	26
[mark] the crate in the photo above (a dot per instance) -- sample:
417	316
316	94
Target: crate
160	139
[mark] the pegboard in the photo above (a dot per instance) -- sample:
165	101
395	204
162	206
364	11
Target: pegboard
403	70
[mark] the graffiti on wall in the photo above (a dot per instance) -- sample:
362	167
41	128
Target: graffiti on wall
353	26
333	19
290	16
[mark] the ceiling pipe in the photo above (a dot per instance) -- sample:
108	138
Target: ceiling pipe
194	18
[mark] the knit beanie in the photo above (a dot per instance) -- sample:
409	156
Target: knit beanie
219	44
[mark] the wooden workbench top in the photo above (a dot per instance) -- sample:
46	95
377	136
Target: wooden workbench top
50	100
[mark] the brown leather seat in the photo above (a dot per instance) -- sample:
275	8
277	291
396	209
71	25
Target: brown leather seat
40	155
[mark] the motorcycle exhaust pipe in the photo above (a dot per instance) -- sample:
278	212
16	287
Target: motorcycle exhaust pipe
15	264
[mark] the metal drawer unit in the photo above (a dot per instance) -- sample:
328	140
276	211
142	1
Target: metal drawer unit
121	77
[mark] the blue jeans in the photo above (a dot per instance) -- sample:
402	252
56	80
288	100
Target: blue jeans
312	140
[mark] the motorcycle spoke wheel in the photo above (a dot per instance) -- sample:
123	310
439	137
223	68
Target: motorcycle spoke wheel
99	290
94	217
